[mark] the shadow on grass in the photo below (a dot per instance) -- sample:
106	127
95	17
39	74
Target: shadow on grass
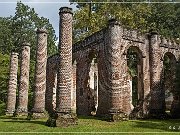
92	117
165	125
21	120
13	118
28	121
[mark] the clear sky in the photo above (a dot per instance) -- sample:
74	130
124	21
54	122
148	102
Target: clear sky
45	8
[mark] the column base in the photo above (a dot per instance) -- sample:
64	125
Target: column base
38	115
9	114
62	120
175	109
158	114
116	116
19	114
137	113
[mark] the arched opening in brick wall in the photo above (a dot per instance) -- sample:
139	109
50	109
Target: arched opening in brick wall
135	71
93	87
92	84
87	84
169	78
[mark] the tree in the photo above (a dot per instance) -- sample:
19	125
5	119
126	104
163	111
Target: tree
92	16
4	72
5	35
24	24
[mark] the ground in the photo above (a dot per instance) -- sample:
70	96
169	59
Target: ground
90	124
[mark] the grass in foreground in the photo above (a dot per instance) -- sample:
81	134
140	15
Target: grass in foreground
90	124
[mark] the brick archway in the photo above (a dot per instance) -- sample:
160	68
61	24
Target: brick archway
135	70
169	80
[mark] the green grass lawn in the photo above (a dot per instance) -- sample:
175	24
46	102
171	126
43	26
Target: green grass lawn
90	124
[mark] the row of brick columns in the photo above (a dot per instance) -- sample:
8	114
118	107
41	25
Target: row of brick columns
40	78
64	100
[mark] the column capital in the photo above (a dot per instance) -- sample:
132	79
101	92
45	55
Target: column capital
65	10
153	32
25	44
113	21
41	30
14	53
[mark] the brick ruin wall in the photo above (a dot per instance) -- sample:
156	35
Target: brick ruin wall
109	47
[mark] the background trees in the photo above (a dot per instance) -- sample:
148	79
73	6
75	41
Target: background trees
162	17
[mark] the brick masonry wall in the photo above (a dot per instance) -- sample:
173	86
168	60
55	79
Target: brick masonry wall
51	83
110	47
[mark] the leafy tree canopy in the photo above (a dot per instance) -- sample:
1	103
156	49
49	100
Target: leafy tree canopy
93	16
22	27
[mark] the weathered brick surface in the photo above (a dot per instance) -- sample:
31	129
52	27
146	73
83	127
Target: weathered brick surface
109	46
64	95
40	73
22	107
156	65
64	76
51	83
11	93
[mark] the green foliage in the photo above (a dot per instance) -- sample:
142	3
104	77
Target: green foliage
4	72
5	35
132	62
2	108
24	24
92	16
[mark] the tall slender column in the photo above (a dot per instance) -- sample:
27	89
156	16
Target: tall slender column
65	73
22	108
11	93
40	74
156	66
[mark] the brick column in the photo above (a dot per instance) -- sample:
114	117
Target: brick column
40	74
146	79
11	93
117	72
65	73
22	108
156	66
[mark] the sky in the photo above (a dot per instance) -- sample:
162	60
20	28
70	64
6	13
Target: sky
46	8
